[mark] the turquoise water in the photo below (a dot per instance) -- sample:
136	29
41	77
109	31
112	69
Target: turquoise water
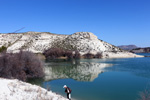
99	79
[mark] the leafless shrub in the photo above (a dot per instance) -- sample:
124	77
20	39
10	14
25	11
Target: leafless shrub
145	95
53	53
98	55
77	55
20	65
68	54
88	55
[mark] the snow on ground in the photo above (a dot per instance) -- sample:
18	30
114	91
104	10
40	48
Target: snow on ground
13	89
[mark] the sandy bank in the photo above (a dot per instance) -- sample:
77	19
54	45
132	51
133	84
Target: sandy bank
120	55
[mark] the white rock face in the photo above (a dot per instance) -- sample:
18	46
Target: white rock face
18	90
84	42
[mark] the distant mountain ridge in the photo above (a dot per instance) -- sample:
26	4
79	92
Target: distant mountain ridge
135	49
128	47
84	42
141	50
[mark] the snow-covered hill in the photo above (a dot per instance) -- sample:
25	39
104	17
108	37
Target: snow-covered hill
84	42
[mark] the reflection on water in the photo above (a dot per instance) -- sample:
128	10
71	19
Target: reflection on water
77	70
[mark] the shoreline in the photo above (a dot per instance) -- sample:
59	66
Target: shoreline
13	89
83	42
108	56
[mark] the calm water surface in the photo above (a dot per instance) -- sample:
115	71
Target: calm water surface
98	79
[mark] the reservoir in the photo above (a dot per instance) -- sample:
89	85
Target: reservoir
99	79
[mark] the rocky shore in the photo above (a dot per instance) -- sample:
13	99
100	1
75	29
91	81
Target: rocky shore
13	89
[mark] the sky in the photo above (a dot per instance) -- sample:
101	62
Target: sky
119	22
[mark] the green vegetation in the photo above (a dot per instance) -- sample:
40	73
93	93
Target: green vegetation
3	48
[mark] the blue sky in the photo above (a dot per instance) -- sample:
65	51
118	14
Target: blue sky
119	22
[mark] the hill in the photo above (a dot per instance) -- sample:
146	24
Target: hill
128	47
141	50
84	42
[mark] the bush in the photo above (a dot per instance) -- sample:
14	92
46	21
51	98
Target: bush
77	55
98	55
88	55
54	53
145	95
3	48
22	65
68	54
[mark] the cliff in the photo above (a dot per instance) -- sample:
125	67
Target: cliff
84	42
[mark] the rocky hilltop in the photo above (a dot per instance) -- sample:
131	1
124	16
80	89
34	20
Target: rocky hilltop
84	42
